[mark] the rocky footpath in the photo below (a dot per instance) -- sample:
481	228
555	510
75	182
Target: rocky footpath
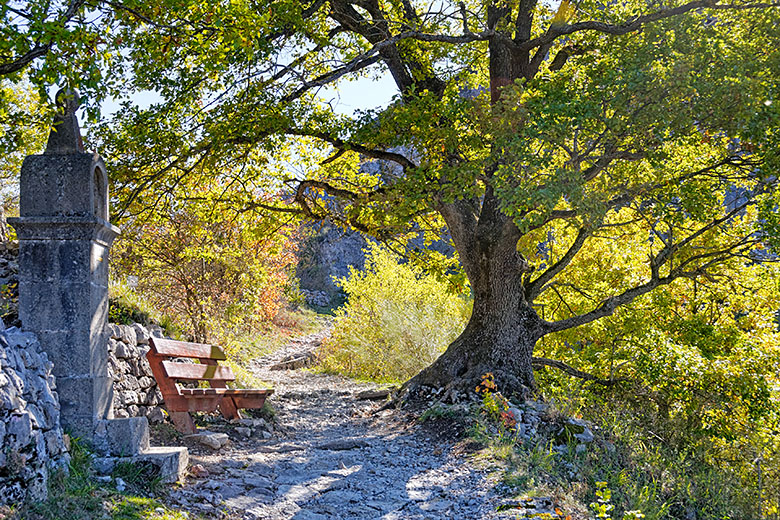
31	439
329	457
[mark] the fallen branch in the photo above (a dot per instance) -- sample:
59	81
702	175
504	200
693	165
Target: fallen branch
538	362
376	395
296	361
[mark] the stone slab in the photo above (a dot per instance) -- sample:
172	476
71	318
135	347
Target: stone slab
129	436
171	462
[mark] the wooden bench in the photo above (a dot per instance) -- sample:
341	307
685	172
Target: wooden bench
179	402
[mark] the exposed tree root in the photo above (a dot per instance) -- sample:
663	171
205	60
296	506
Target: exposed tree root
421	387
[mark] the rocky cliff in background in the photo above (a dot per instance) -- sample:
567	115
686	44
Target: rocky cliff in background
327	253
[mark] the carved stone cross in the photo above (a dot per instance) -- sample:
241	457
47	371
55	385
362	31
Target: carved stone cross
65	135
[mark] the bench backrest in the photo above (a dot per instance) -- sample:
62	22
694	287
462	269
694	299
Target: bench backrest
207	355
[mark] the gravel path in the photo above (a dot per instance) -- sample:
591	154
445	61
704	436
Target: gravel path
329	458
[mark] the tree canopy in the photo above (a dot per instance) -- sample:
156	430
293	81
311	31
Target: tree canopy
539	135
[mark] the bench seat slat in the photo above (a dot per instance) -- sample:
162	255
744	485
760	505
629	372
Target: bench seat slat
198	392
194	372
169	347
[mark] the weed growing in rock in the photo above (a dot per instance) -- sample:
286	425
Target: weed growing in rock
143	478
495	405
438	411
603	505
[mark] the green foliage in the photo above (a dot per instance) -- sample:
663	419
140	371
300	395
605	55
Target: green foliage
70	43
142	477
396	321
124	313
126	306
594	482
495	407
603	505
698	407
438	411
217	272
23	131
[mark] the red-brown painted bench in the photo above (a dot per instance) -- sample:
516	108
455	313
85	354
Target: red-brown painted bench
181	401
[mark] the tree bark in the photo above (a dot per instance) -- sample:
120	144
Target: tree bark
503	329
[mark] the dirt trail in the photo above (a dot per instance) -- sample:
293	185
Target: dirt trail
329	458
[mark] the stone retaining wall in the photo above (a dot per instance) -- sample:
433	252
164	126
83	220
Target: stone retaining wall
9	283
135	390
31	438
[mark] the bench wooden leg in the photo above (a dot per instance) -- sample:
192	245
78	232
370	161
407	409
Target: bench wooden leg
228	409
183	422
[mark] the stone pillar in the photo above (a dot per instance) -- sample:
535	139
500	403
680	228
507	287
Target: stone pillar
64	241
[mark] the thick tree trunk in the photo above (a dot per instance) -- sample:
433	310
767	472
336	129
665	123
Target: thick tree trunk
499	340
503	328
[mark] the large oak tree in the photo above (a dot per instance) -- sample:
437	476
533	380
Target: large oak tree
529	130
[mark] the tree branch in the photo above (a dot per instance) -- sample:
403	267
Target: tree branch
39	49
340	144
630	194
17	64
539	362
608	306
354	65
536	287
665	254
563	56
556	31
524	20
461	217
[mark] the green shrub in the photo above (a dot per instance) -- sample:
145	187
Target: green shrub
396	321
698	407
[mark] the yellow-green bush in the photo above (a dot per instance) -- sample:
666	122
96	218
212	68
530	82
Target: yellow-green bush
396	321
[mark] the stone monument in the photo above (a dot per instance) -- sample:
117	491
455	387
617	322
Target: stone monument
64	241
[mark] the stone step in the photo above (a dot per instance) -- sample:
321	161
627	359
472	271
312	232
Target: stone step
171	462
127	437
127	441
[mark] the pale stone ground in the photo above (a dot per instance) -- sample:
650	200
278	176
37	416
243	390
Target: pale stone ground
329	458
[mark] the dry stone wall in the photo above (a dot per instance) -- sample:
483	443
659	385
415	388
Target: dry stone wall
9	283
32	444
135	390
